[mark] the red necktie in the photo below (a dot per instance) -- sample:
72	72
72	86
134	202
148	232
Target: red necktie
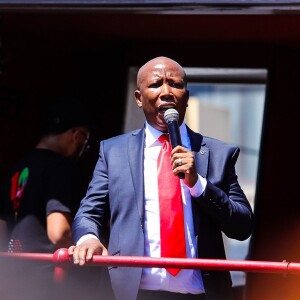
172	239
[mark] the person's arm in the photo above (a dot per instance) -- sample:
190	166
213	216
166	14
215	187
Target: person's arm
228	206
59	229
226	203
59	193
92	216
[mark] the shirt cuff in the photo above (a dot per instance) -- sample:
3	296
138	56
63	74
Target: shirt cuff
86	237
199	187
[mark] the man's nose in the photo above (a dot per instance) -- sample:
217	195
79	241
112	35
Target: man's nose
165	89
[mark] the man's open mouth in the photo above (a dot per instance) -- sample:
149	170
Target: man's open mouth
162	109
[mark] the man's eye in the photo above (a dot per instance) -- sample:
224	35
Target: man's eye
154	85
177	85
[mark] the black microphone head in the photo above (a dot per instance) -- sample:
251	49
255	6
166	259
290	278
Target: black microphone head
170	115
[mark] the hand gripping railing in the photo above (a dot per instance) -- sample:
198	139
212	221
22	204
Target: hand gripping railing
62	260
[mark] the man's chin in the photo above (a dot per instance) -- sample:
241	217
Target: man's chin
163	127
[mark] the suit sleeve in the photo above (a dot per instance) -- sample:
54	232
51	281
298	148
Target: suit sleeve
224	200
92	215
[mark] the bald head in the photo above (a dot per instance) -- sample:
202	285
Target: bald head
161	84
157	62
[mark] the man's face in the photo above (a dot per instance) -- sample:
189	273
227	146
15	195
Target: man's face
161	85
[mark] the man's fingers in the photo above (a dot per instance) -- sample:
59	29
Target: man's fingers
89	254
79	255
82	255
105	252
75	255
71	250
85	251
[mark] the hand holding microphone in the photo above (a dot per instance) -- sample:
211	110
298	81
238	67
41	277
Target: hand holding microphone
171	117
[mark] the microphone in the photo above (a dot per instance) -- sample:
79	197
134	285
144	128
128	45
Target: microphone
171	117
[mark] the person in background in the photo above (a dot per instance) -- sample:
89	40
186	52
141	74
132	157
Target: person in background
39	196
127	190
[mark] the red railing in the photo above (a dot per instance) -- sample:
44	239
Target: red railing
62	259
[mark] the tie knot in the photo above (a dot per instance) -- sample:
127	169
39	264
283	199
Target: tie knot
163	138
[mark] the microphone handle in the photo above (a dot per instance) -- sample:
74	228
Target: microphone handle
175	138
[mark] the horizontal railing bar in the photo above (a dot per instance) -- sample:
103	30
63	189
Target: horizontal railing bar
61	257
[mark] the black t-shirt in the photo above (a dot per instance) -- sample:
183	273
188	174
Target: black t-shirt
39	184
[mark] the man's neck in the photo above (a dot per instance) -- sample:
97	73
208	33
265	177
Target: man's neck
53	143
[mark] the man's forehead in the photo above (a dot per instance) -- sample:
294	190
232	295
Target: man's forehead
163	67
163	70
159	66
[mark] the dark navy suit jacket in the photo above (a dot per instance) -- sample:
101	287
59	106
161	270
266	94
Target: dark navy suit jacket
116	195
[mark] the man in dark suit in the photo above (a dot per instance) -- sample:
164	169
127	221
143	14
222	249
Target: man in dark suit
124	192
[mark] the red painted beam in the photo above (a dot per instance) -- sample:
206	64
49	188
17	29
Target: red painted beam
62	259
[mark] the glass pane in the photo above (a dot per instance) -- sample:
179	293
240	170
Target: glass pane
232	113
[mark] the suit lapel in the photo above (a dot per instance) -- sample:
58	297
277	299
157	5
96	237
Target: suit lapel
201	152
136	161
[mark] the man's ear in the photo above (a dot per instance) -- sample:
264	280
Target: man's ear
76	135
137	95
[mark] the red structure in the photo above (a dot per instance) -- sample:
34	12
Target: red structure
62	260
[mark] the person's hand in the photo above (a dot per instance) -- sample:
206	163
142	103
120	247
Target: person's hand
183	161
85	251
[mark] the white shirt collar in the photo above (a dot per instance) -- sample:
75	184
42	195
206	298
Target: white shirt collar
153	134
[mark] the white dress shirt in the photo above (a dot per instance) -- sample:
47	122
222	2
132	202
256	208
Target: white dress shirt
186	281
